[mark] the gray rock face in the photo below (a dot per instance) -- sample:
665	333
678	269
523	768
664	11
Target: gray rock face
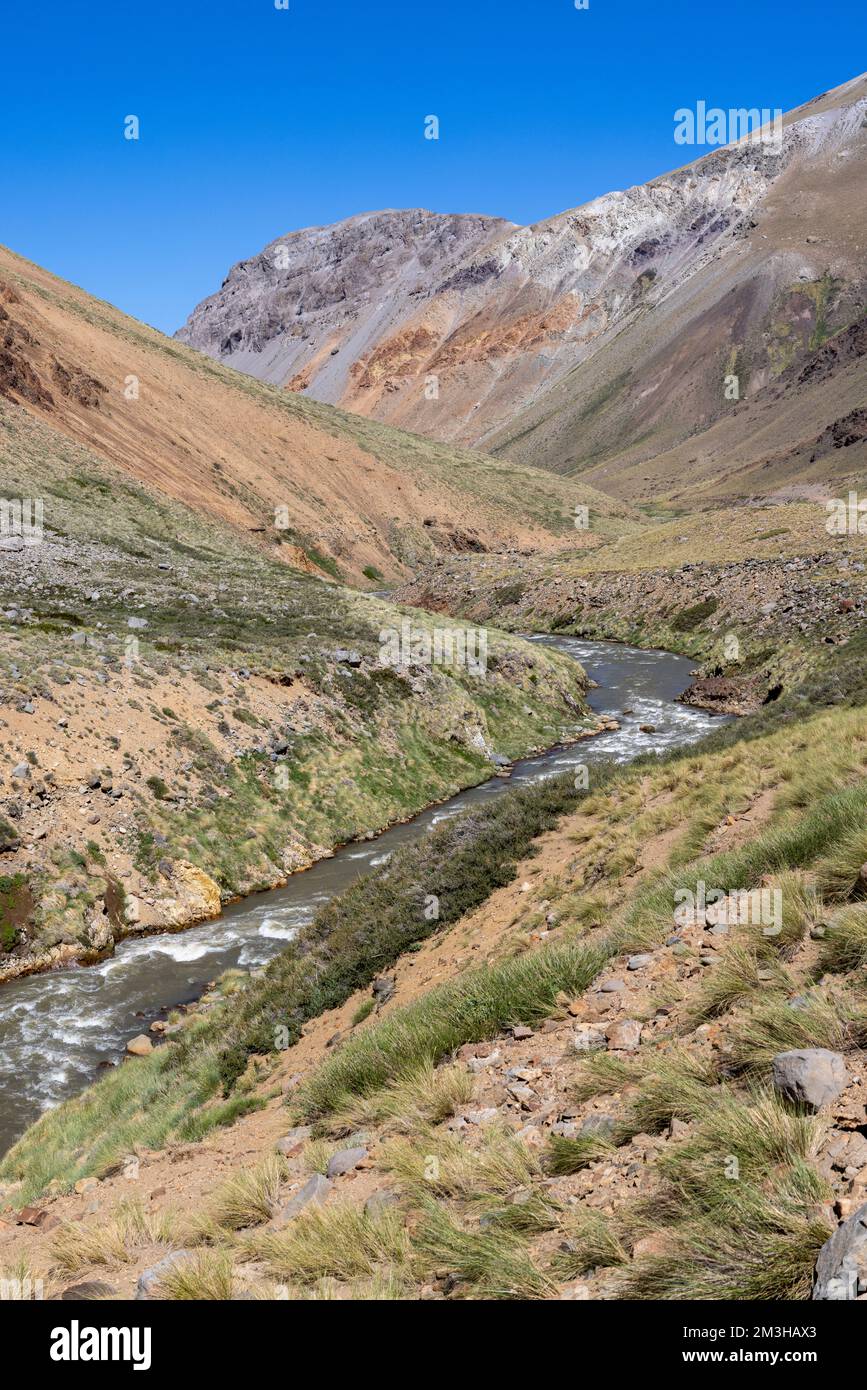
148	1281
841	1269
810	1076
314	1191
360	313
346	1161
345	286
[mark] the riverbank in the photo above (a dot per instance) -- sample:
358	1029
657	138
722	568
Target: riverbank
560	1046
758	612
57	1030
146	796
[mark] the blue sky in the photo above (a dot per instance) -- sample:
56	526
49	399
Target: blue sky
256	121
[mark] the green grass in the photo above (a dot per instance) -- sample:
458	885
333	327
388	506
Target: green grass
476	1006
740	1206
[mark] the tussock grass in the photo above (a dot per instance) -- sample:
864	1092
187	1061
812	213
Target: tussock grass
21	1281
208	1275
564	1155
741	1204
675	1084
114	1242
425	1096
590	1241
794	845
824	1018
445	1165
845	945
740	975
340	1241
801	910
248	1197
493	1263
837	873
474	1007
602	1074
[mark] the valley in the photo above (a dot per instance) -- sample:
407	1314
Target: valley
433	756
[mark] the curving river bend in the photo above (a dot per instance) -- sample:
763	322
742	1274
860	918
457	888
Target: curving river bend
56	1029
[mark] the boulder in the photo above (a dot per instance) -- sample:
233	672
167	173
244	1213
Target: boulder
810	1076
140	1046
149	1280
841	1269
345	1161
624	1036
314	1191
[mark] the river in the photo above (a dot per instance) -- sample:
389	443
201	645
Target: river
58	1029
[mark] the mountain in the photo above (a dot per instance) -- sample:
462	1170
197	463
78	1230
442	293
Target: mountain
331	493
605	331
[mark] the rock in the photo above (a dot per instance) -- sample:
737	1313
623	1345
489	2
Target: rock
521	1033
379	1201
639	962
85	1185
21	772
36	1216
345	1161
587	1038
624	1036
810	1076
88	1292
480	1117
383	989
611	987
597	1126
315	1191
137	622
293	1142
477	1064
841	1269
140	1046
149	1280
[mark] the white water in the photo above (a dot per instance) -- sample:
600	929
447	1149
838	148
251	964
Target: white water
57	1029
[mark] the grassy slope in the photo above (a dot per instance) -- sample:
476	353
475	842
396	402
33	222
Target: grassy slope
237	658
687	583
357	494
805	758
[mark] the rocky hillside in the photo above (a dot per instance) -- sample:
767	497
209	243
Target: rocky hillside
184	717
759	596
327	492
627	1064
605	331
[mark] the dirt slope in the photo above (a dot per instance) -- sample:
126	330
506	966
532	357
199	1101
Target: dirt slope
338	494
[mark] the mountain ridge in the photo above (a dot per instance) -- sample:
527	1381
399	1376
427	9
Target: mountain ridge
490	338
